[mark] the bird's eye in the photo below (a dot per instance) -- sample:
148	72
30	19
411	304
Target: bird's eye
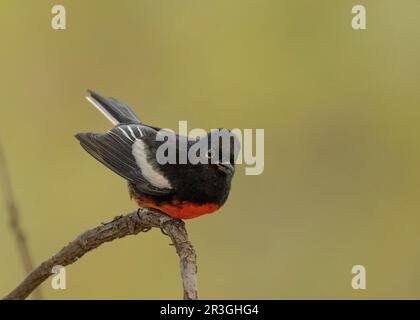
210	154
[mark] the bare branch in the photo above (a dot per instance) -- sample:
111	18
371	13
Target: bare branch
14	218
130	224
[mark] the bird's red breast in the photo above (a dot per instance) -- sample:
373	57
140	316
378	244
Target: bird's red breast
179	209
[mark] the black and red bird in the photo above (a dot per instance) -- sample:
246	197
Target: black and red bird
182	190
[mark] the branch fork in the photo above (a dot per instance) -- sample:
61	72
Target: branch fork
133	223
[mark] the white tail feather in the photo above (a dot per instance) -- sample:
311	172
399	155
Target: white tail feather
98	106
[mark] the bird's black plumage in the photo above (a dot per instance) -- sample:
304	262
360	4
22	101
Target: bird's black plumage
129	149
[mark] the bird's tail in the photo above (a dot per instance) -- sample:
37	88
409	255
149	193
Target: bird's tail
116	111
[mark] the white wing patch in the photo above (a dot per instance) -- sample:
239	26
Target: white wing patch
125	133
140	152
131	131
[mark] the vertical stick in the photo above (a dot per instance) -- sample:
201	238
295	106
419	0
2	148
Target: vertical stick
14	218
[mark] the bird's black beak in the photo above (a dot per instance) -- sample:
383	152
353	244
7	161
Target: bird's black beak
226	167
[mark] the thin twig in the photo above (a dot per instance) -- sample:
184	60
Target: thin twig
14	218
121	226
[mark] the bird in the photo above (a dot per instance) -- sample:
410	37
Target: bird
182	190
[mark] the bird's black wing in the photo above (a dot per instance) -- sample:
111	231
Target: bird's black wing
115	150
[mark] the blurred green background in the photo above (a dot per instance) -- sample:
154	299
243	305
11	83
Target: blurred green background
340	109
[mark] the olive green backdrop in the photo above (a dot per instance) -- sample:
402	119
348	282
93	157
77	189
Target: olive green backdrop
340	109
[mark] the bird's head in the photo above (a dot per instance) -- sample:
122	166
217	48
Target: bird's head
223	147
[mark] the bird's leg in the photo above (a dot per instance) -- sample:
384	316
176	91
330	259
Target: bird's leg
144	229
